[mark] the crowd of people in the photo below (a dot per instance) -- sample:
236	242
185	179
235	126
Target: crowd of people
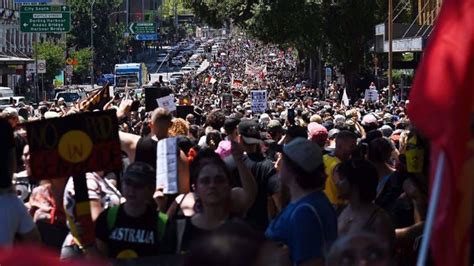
310	181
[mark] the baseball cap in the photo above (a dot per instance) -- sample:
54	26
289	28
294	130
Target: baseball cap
369	119
140	174
304	153
386	130
11	112
224	149
333	133
231	123
339	118
248	129
317	132
264	118
274	125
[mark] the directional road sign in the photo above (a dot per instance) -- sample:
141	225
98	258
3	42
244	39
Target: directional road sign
146	37
142	28
45	18
32	1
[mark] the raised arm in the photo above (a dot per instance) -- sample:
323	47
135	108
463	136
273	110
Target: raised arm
128	142
244	197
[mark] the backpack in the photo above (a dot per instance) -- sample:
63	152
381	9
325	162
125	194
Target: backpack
112	214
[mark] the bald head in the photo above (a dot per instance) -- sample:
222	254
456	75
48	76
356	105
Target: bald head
161	121
161	114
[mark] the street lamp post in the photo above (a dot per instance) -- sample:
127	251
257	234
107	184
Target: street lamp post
92	43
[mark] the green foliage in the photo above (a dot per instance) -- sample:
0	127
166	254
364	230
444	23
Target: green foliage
108	33
167	8
349	30
54	55
83	57
288	23
219	12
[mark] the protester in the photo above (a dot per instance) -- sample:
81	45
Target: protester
345	145
357	184
215	199
262	169
308	225
135	228
102	195
14	217
144	148
360	248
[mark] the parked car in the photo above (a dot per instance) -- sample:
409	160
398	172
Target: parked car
11	101
6	92
70	97
104	78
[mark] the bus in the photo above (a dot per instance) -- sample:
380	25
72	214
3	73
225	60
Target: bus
135	74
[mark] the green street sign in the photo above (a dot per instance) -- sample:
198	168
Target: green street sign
142	28
48	19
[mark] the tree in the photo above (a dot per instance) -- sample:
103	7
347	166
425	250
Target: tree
349	30
108	34
167	8
54	55
83	57
341	31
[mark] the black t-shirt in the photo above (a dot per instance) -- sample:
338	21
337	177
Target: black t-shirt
146	151
132	237
7	142
268	183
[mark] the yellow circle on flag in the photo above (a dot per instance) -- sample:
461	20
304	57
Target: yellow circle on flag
75	146
69	61
127	254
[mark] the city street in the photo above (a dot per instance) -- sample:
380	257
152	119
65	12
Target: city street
189	133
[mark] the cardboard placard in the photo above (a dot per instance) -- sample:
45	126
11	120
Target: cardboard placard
167	156
74	144
259	101
167	103
371	95
226	100
153	93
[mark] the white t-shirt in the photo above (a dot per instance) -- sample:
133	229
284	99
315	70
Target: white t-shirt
14	218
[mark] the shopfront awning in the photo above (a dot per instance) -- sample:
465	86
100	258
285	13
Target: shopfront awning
13	60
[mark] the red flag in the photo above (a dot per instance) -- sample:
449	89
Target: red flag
441	106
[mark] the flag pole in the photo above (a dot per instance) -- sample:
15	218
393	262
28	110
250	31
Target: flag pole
435	192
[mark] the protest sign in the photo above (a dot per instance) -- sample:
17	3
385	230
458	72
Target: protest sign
167	165
71	146
74	145
226	100
371	95
259	101
151	94
167	103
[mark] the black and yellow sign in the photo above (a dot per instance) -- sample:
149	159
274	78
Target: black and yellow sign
74	145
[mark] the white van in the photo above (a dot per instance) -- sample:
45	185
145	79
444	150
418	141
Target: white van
6	92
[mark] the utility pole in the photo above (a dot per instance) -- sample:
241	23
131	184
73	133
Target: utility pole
126	12
390	52
92	44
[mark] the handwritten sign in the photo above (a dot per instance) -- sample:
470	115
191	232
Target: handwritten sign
226	100
167	102
74	145
167	165
371	95
259	101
